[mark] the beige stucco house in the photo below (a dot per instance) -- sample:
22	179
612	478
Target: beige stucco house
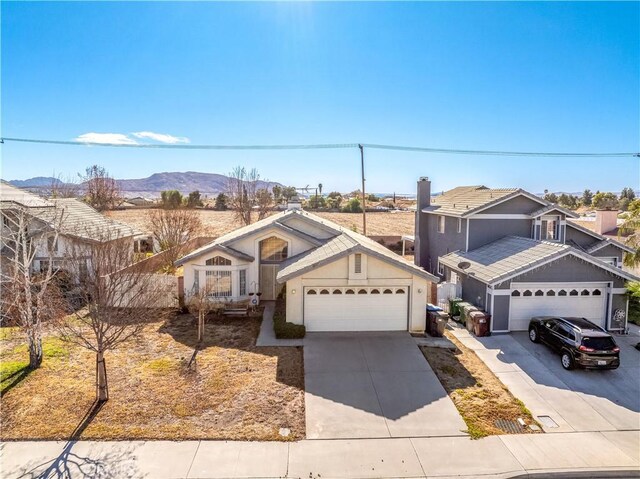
335	279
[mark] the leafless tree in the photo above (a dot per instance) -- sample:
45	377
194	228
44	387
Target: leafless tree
64	187
101	190
30	297
242	188
171	229
200	303
120	298
264	202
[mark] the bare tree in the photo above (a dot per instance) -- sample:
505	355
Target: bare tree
171	229
101	190
64	188
241	189
264	202
120	299
29	296
200	303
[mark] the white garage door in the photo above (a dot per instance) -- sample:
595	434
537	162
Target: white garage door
356	308
584	300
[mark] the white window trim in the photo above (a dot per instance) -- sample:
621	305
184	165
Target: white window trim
611	260
442	219
440	269
235	279
459	225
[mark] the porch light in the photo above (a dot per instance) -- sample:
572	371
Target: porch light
293	291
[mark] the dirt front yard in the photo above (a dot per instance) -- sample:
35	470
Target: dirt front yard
237	391
485	404
217	223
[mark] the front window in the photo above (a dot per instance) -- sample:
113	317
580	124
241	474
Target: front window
358	263
440	269
441	224
550	229
52	244
218	284
218	261
613	261
273	250
459	225
243	282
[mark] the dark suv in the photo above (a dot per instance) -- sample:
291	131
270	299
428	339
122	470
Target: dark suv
579	342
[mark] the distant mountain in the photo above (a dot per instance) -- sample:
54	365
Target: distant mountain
206	183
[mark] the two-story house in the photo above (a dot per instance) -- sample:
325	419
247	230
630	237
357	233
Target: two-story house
57	228
516	255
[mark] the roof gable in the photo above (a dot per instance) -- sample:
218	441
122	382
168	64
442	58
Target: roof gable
601	238
468	200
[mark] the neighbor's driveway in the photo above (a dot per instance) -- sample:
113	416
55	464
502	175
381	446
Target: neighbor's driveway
372	385
578	400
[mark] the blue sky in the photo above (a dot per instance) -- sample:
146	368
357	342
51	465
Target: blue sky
528	77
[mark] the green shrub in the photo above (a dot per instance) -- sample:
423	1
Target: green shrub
281	327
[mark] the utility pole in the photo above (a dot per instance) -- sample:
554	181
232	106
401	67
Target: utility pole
364	205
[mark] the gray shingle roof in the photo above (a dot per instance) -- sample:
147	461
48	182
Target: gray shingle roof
10	195
464	200
512	255
82	221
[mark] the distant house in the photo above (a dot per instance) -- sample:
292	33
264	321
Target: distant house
335	279
77	224
517	256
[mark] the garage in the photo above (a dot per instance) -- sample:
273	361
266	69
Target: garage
585	300
371	308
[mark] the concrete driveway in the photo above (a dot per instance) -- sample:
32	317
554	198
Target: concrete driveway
373	385
578	400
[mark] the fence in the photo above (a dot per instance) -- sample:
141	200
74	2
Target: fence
162	293
447	291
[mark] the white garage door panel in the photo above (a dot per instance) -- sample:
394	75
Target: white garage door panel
356	312
591	307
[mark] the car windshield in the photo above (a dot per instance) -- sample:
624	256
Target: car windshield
599	344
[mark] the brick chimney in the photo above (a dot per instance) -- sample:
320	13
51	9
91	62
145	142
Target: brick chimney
423	197
606	220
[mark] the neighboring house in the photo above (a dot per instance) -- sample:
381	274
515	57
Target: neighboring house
516	255
335	279
78	225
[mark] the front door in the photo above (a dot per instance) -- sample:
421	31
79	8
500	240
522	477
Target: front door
268	284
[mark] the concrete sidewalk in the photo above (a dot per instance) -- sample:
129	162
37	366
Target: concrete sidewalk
592	454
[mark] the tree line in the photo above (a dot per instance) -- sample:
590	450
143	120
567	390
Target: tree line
598	200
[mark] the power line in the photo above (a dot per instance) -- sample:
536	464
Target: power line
415	149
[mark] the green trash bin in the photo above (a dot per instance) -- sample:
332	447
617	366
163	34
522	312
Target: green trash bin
454	306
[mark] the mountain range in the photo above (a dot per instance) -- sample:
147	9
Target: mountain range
206	183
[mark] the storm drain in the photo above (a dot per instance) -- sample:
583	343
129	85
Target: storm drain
547	421
512	427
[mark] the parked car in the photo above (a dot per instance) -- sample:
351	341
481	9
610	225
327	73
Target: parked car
580	342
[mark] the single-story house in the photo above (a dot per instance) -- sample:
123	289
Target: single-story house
335	279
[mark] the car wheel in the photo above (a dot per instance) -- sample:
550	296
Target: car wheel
533	335
567	360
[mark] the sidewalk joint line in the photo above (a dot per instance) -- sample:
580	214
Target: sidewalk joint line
373	384
193	459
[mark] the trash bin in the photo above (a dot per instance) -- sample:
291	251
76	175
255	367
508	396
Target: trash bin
454	308
440	324
465	314
482	325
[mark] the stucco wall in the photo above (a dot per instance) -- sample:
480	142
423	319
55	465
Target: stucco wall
610	252
500	313
583	240
474	292
433	244
517	205
378	273
484	231
569	269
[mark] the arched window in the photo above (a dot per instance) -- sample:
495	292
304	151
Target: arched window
349	291
337	291
312	291
551	293
527	293
400	291
218	261
273	249
324	291
585	292
362	291
515	293
375	291
596	292
562	292
573	293
387	291
539	293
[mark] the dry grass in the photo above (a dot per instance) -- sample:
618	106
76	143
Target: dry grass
478	394
217	223
237	391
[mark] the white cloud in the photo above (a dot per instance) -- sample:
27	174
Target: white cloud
114	138
161	137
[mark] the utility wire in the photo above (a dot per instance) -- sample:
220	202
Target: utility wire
415	149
